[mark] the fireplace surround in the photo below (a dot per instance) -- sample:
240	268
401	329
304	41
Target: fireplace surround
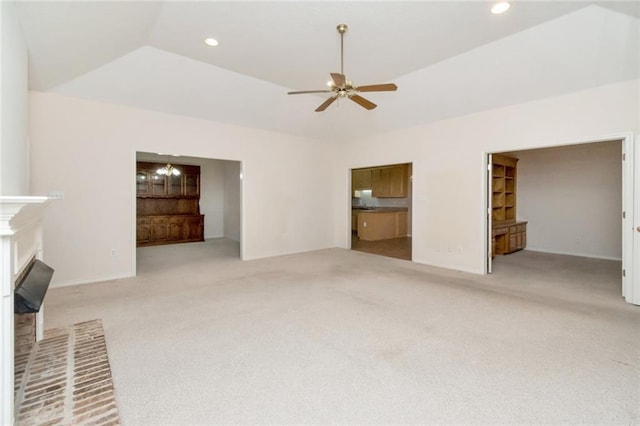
20	242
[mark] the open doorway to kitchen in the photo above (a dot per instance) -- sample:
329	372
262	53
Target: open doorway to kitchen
381	210
558	208
186	207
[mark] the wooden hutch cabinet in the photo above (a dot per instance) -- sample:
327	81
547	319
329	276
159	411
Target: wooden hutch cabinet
168	207
507	233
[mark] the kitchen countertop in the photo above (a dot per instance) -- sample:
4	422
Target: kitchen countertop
380	209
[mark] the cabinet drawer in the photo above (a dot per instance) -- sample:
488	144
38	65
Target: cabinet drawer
512	229
500	231
160	221
521	228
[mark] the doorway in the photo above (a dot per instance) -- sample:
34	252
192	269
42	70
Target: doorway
207	191
571	200
381	220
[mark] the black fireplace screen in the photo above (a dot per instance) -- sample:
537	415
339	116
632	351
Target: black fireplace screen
31	287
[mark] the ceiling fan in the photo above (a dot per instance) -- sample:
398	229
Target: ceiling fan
340	87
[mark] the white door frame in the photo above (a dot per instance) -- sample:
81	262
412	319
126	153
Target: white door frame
630	209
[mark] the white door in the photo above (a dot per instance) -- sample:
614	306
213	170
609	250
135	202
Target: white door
631	223
489	214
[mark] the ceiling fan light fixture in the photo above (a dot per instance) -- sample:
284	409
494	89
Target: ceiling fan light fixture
501	7
210	41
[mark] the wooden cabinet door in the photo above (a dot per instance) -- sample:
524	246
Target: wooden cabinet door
143	182
513	243
398	181
401	224
361	179
380	182
174	185
158	185
160	228
143	230
191	185
176	228
390	181
194	228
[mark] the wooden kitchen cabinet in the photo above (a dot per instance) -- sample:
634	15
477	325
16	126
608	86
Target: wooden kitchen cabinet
401	224
360	179
390	181
374	226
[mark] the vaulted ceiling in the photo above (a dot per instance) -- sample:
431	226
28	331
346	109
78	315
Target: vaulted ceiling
447	58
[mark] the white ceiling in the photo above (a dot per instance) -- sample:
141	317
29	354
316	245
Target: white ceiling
448	58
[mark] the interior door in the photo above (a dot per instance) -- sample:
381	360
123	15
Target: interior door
489	215
631	261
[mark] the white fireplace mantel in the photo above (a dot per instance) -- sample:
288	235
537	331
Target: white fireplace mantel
20	240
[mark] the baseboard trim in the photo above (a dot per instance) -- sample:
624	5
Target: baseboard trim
590	256
91	280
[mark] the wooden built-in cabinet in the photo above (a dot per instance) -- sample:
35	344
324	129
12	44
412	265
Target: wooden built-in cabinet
168	207
507	234
151	184
503	198
509	237
385	181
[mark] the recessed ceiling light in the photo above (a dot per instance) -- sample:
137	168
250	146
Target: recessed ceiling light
211	42
501	7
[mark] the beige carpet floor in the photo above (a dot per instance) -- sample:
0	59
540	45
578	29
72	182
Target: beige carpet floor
340	336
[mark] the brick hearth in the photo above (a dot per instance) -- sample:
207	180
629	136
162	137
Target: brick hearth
65	378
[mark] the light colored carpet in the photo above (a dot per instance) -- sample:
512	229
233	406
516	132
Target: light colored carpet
338	336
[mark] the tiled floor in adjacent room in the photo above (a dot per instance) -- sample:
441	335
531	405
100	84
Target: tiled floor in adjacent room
399	248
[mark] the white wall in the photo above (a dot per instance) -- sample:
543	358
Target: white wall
572	198
14	147
87	150
448	163
232	212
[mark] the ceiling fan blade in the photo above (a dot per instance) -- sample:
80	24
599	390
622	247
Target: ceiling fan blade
362	102
325	104
338	79
308	91
388	87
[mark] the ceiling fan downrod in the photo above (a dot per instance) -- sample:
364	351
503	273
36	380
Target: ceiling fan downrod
342	28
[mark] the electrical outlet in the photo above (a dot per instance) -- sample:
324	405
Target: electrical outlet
364	224
114	252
